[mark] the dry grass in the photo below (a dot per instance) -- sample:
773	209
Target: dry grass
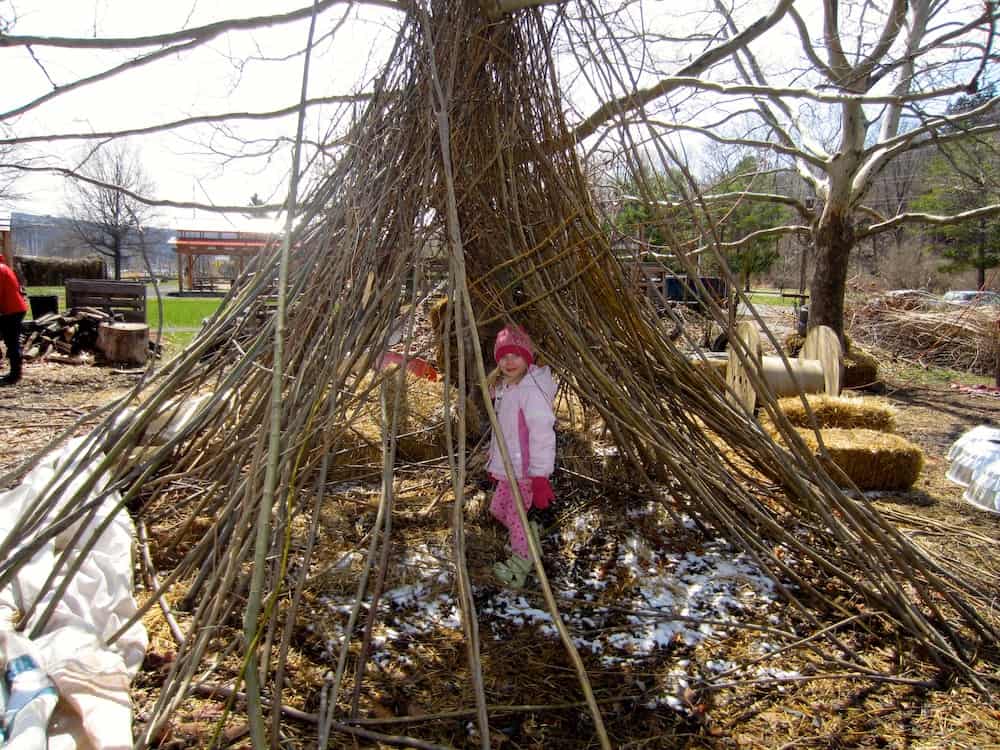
526	667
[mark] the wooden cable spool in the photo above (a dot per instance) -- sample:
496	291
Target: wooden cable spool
823	345
736	374
818	368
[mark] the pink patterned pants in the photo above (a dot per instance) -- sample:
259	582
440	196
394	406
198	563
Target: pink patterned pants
504	510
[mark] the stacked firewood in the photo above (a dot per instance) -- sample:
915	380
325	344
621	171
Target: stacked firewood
70	333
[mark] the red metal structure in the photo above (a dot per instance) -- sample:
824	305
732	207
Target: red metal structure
193	244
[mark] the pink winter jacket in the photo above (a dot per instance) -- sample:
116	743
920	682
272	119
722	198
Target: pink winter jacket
531	441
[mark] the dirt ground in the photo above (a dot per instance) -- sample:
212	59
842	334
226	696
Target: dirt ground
831	713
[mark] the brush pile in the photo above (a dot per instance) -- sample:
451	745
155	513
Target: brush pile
269	558
957	337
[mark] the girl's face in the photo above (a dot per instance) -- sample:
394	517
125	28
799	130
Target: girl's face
512	367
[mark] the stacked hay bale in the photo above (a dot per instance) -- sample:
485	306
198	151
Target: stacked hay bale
860	369
45	271
872	460
843	412
858	434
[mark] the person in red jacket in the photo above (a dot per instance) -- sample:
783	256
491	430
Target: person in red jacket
13	306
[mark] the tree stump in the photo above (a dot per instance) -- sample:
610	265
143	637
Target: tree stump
125	343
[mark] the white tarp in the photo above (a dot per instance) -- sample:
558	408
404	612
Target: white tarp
66	688
975	464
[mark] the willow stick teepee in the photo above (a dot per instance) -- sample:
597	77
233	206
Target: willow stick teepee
464	145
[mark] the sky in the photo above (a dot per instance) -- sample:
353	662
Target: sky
259	70
237	72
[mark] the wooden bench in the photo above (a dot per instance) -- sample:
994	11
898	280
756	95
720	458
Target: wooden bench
210	284
800	298
125	298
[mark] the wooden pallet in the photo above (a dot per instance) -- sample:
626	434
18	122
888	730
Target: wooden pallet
125	298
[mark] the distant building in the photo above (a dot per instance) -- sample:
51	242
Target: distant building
34	236
5	241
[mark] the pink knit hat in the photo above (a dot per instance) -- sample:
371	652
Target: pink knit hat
514	340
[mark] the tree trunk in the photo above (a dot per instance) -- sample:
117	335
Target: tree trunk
981	264
124	343
834	241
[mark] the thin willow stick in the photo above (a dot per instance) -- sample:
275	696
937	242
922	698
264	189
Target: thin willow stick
250	621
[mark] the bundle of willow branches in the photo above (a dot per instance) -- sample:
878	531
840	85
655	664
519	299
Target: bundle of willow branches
464	144
962	338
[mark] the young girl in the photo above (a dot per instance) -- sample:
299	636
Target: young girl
523	403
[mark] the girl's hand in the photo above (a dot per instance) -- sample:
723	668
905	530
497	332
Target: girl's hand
541	492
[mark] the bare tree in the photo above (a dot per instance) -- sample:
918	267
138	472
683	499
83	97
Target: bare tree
9	154
103	210
856	88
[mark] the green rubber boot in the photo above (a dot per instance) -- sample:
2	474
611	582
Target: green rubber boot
514	572
535	529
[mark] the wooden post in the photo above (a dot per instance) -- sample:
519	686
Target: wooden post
180	271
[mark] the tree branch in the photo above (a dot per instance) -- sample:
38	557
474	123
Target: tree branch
103	75
758	235
933	219
263	210
784	200
897	15
807	45
780	148
494	9
183	122
748	89
642	97
202	33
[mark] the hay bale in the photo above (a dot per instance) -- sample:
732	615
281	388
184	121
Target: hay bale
860	369
843	412
793	344
421	428
435	314
873	460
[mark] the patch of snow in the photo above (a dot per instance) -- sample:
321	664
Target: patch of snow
622	600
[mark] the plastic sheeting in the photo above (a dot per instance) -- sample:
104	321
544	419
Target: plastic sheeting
975	464
68	688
